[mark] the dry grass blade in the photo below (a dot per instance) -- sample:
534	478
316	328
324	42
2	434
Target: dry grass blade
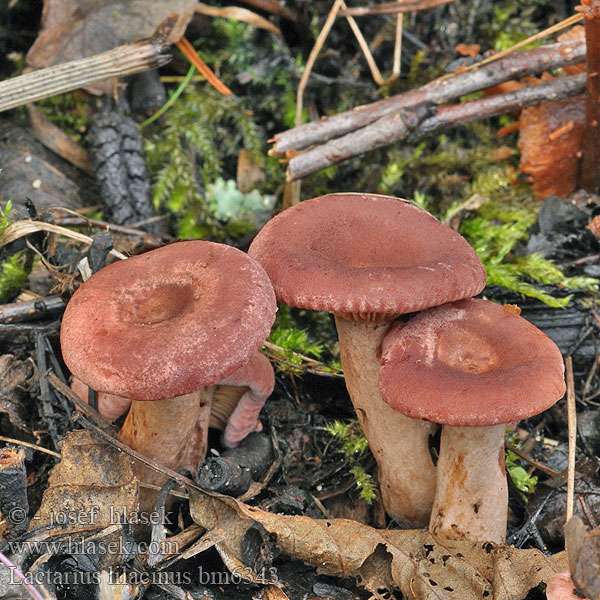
392	8
538	36
240	14
190	53
20	229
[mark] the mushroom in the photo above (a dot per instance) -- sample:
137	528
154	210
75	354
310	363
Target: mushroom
162	329
239	399
368	259
236	402
474	367
561	587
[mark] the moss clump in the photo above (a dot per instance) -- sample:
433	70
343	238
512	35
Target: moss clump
353	444
14	269
203	131
495	233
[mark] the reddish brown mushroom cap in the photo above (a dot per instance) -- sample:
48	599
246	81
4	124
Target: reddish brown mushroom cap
365	253
468	364
168	322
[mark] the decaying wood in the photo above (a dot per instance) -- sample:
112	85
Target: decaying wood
513	66
121	61
589	173
14	506
397	127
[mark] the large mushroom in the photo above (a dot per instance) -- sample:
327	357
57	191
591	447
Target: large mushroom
162	329
368	259
474	367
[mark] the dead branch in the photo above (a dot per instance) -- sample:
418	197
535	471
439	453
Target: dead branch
513	66
75	74
449	116
32	310
393	128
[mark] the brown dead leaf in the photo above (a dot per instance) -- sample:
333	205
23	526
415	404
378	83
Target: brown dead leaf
465	50
75	29
90	488
583	547
58	141
422	566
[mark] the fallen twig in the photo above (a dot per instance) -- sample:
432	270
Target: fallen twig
40	308
402	124
513	66
75	74
29	445
572	425
124	229
538	465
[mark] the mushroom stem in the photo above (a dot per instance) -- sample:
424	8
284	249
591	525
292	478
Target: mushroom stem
399	444
471	499
166	430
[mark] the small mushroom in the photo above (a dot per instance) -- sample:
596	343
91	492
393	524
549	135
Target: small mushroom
249	387
561	587
236	402
474	367
162	329
368	259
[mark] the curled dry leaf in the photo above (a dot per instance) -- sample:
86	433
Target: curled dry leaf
420	565
583	547
90	488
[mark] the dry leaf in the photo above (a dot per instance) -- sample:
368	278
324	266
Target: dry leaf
465	50
584	557
90	488
75	29
58	141
421	566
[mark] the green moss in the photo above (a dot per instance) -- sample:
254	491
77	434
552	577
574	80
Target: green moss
203	130
350	441
69	112
496	233
14	269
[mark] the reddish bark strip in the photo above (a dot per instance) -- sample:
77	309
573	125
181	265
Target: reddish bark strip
589	172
